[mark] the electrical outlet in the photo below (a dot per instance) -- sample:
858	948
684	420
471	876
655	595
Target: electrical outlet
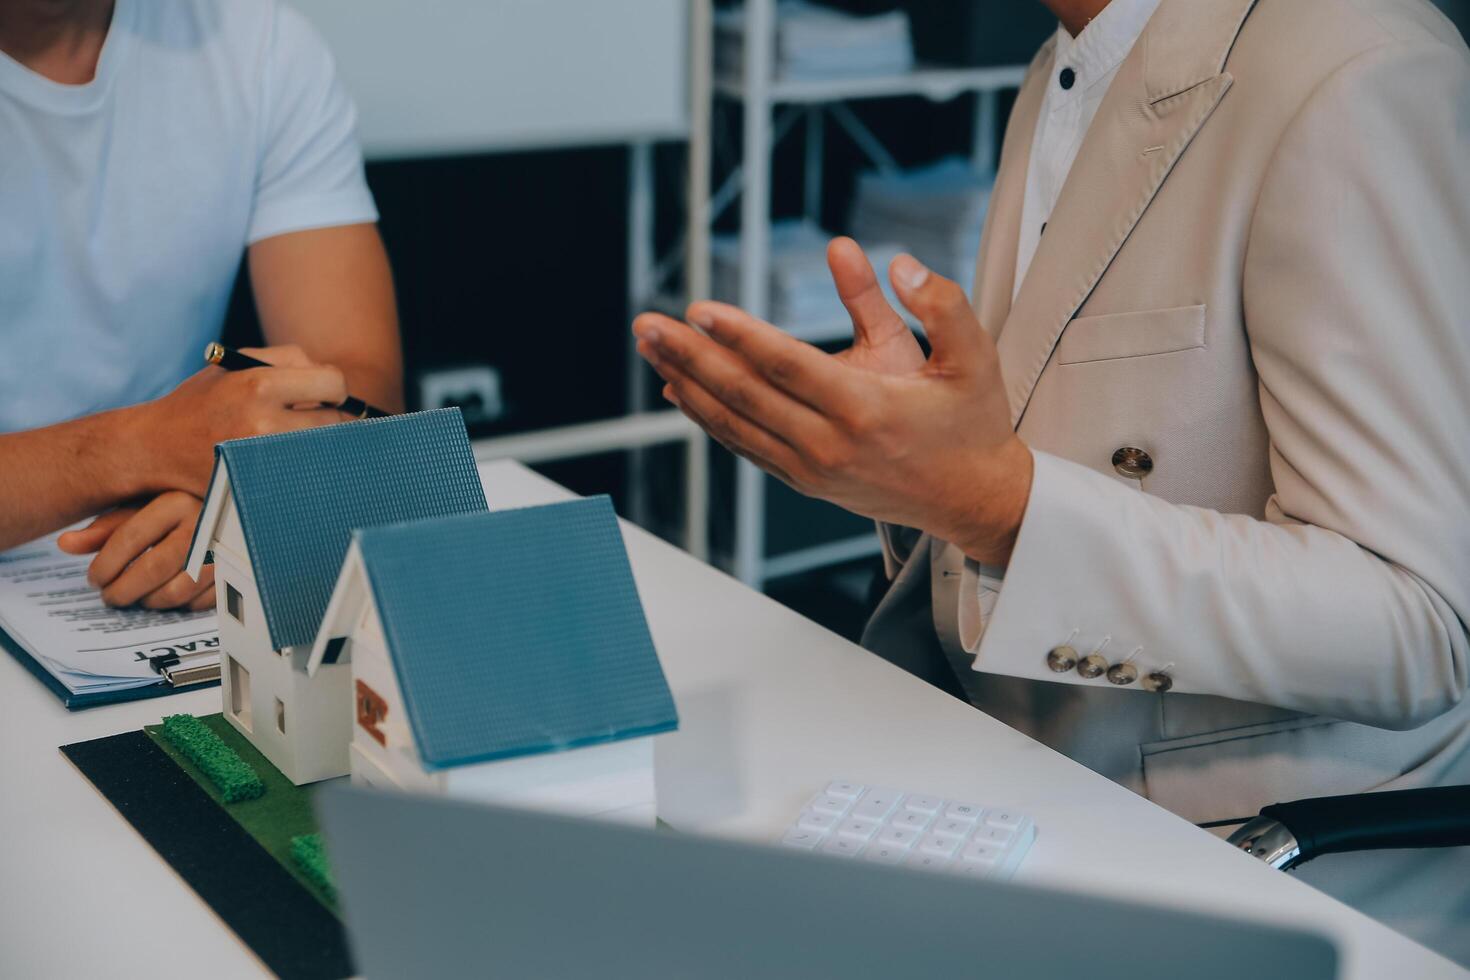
473	389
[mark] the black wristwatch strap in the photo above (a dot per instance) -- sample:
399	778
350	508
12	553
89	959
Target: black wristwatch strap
1433	817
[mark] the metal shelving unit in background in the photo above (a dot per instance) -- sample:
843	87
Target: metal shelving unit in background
773	108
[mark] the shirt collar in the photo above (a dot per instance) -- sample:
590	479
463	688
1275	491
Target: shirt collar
1102	45
35	89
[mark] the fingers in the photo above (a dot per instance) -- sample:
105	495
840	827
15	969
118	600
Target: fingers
954	332
287	386
183	592
143	530
671	348
158	569
166	514
796	368
176	593
281	355
84	541
873	319
737	434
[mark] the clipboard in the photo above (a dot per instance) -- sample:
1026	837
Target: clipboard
77	702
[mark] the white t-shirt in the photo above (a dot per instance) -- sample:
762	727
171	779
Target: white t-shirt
126	203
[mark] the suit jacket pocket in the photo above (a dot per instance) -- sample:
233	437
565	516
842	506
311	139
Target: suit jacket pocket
1233	773
1116	335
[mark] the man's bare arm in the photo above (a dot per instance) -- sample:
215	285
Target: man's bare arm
57	475
329	291
325	297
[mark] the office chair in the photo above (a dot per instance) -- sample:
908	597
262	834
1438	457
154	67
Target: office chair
1285	835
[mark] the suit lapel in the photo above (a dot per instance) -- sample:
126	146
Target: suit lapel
1163	93
995	271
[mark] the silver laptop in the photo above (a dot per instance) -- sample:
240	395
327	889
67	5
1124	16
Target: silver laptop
437	888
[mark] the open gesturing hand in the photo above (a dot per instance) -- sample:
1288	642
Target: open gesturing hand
877	429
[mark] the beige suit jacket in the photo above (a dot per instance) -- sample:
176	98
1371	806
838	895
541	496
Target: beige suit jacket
1258	272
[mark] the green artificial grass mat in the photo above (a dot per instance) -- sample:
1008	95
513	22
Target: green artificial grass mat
310	855
231	775
280	814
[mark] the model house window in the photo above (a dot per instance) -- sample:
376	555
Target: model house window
239	679
280	716
371	710
234	602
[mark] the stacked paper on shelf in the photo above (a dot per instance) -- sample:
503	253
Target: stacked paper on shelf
936	210
801	289
815	42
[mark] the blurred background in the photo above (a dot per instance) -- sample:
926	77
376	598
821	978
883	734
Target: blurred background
545	169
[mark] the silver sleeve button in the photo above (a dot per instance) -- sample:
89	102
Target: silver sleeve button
1132	462
1157	682
1061	659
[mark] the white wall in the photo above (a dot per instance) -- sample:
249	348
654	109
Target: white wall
448	76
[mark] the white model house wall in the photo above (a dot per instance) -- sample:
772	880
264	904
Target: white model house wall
612	781
300	723
396	764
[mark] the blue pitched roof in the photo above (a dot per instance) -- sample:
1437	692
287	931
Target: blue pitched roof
516	632
301	494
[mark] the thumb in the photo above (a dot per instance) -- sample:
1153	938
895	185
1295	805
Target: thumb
86	540
954	332
873	320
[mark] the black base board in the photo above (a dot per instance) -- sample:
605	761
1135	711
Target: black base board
288	929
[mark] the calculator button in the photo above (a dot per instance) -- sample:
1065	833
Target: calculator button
953	828
841	847
927	862
898	837
812	820
911	820
834	806
978	852
927	805
802	839
935	844
962	811
857	828
876	804
884	826
881	853
999	836
972	870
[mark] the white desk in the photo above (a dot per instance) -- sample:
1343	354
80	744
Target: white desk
771	706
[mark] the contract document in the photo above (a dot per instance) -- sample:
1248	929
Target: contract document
50	612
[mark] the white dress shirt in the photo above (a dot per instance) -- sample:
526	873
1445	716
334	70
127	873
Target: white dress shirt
1082	70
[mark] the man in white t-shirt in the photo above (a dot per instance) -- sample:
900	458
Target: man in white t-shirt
145	146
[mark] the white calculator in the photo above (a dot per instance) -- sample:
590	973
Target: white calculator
917	830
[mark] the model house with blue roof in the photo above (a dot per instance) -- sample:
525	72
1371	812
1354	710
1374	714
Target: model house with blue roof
501	656
278	518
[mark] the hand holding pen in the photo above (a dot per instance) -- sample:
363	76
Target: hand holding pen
233	360
170	441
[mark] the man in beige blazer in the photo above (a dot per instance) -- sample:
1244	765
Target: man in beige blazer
1194	506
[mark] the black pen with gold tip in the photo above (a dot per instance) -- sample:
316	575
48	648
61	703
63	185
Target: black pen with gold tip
232	360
